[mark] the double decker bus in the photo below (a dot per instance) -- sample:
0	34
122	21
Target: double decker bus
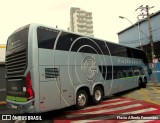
48	69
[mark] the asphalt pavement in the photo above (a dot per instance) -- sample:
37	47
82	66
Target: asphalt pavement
149	94
145	98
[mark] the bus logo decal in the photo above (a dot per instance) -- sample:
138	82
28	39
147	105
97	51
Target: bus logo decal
88	67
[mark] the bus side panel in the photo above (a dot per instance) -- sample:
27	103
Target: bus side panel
50	96
67	87
126	83
49	90
64	61
49	81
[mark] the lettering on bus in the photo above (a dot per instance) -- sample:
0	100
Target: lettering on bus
16	93
129	61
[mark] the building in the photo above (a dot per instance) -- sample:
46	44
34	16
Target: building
2	72
81	21
131	36
2	52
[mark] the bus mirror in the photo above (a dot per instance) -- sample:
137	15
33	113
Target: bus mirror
149	71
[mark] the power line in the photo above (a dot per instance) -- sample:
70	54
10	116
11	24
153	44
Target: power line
156	29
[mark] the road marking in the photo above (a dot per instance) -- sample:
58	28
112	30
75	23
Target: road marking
104	111
145	95
103	105
140	111
113	116
156	89
112	100
114	108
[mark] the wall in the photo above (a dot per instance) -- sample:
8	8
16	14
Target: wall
2	53
2	83
131	36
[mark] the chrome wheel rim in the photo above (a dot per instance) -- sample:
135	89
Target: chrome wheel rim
81	100
98	95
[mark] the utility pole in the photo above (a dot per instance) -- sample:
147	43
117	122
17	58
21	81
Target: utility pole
150	32
139	34
146	9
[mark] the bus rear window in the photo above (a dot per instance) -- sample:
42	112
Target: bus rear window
17	39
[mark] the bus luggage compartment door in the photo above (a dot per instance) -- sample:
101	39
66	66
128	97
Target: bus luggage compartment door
67	87
49	88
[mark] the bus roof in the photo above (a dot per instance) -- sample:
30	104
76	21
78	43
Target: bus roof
36	25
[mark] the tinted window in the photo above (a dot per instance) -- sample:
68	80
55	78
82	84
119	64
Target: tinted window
117	50
68	41
140	55
90	46
46	37
103	46
129	52
106	72
18	39
136	53
120	71
138	70
65	41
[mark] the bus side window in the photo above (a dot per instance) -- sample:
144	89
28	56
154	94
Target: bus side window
46	37
115	74
142	71
109	73
120	74
129	73
124	73
103	71
136	72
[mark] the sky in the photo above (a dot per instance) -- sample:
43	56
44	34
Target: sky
105	13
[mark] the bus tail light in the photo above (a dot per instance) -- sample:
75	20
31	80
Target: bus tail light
30	91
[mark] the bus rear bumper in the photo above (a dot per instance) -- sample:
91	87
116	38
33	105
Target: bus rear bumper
23	107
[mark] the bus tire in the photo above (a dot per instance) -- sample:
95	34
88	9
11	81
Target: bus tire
97	95
81	99
144	83
140	83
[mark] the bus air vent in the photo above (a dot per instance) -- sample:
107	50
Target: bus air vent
16	64
51	73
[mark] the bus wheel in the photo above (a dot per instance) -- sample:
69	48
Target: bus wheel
97	95
140	83
144	83
81	99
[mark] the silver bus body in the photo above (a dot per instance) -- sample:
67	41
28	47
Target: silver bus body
54	75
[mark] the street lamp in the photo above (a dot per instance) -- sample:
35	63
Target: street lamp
122	17
138	28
